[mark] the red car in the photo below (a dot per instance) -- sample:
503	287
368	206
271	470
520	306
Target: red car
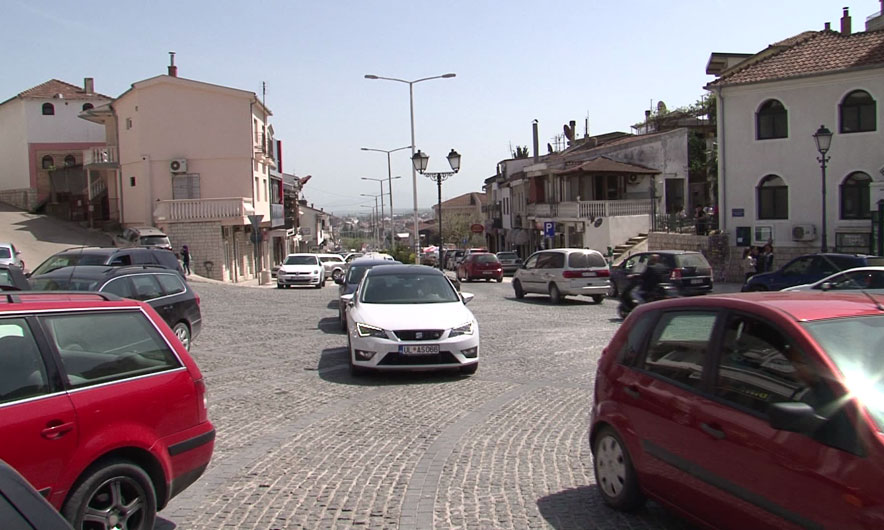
752	410
102	409
480	266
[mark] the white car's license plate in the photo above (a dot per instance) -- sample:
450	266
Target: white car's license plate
697	281
421	349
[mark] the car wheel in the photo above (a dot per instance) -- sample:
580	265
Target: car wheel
469	369
337	274
500	280
118	494
183	333
321	283
614	474
279	286
343	319
555	296
597	298
517	288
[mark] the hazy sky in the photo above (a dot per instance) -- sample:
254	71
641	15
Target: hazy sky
515	61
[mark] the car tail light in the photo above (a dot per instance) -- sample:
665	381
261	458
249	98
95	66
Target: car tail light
572	274
202	400
676	273
197	299
603	273
586	274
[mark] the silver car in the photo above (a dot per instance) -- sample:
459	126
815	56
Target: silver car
509	260
564	272
9	255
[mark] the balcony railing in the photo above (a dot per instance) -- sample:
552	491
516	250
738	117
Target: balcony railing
590	209
101	157
184	210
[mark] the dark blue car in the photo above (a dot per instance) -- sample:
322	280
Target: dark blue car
808	269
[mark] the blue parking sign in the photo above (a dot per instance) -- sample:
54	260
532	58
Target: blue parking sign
549	229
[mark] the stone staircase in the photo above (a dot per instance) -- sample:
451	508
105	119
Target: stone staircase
625	249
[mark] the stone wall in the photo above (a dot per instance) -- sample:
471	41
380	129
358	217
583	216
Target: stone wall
22	199
204	240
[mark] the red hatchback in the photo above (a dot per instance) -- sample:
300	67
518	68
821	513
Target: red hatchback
480	266
102	409
754	410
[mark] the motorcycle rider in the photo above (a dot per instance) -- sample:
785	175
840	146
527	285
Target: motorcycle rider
656	273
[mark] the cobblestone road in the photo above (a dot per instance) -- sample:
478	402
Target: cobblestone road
302	444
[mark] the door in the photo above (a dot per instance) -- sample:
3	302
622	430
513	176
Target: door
528	274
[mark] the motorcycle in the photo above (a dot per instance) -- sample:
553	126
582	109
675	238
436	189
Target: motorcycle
629	298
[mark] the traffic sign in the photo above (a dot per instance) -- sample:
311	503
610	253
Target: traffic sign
549	229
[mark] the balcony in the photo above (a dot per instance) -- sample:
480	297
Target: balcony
229	210
589	209
101	157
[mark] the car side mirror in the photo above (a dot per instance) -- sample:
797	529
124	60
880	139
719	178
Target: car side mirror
794	417
466	297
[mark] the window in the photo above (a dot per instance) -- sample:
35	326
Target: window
586	260
551	260
22	373
678	346
48	162
858	112
146	287
855	196
186	187
128	123
87	106
93	351
69	161
171	283
48	109
120	287
771	121
773	198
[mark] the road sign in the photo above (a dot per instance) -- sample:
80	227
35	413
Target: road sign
549	229
255	219
477	228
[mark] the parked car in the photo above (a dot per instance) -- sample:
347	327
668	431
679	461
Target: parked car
22	507
453	257
509	260
869	279
564	272
13	279
351	278
808	269
162	289
352	255
690	272
480	266
747	410
109	256
102	409
143	236
301	269
410	317
9	255
333	264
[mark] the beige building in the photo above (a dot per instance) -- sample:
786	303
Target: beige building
193	159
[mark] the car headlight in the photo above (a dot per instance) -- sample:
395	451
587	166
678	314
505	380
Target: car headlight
463	329
364	330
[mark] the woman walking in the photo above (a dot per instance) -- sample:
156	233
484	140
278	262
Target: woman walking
185	260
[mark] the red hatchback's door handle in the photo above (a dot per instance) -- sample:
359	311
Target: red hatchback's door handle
716	433
631	392
56	429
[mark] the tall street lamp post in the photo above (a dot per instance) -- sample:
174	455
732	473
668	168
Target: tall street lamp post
419	161
823	138
417	239
390	182
377	239
371	215
381	182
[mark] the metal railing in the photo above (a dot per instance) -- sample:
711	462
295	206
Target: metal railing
107	156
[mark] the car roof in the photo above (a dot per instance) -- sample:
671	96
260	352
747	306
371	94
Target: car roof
103	271
800	306
147	230
17	301
373	262
399	270
107	250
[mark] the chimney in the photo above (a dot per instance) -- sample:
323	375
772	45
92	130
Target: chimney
573	125
534	131
173	70
829	24
845	23
88	85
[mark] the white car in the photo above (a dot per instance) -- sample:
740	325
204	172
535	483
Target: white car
334	265
410	318
301	269
869	279
9	255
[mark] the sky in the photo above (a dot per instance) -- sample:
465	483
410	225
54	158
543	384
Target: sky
597	62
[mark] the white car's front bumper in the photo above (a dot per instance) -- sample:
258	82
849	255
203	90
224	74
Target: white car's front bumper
390	353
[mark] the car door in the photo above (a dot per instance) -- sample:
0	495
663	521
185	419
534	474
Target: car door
38	425
181	306
147	289
528	275
777	479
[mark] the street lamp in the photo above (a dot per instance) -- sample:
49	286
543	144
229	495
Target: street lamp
381	182
371	217
377	239
823	138
417	239
390	181
419	161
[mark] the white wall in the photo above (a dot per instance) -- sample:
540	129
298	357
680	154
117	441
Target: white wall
65	125
14	172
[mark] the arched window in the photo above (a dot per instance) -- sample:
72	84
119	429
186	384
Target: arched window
855	196
48	163
48	109
858	111
69	161
773	198
87	106
771	121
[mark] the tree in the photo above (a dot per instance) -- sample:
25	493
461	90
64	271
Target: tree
521	151
456	229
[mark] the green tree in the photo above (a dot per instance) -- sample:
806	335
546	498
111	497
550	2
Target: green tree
521	151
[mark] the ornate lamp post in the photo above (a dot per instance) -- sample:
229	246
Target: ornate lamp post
823	138
419	160
390	182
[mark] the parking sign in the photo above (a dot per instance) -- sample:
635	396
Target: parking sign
549	229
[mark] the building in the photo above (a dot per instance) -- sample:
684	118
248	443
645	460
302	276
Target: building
772	186
194	159
315	232
42	141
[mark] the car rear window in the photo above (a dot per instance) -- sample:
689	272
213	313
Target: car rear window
66	260
691	260
64	284
507	255
486	258
586	260
5	253
875	261
156	240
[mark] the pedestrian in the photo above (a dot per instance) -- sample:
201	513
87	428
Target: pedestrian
749	263
700	220
185	259
766	258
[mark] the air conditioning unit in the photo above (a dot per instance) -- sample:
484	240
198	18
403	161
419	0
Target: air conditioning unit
803	232
179	165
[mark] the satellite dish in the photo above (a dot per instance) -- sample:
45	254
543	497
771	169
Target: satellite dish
598	222
661	107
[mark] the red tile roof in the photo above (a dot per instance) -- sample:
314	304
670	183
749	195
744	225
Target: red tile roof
53	87
603	164
465	200
810	53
